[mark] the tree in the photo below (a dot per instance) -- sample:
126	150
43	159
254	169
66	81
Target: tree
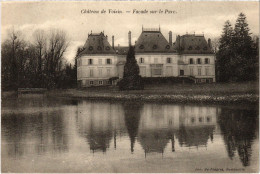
40	44
13	60
237	57
57	44
131	78
245	57
224	54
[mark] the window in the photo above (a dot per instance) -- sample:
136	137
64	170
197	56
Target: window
108	61
182	72
91	82
207	61
108	72
100	72
91	72
142	71
100	61
200	119
100	82
198	61
157	71
206	71
141	60
191	71
169	60
192	120
199	71
191	61
84	82
90	61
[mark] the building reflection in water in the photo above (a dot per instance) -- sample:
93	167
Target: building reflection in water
152	125
98	123
159	124
239	129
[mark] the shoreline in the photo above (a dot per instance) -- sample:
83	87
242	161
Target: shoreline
167	98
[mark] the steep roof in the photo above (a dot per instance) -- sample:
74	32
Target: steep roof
97	44
192	44
152	41
121	50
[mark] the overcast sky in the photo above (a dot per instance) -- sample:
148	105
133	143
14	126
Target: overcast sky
198	17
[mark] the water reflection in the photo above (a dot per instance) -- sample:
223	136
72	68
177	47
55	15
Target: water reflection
36	132
97	123
132	117
50	126
238	128
192	126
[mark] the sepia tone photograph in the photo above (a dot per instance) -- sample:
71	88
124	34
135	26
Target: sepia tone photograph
130	87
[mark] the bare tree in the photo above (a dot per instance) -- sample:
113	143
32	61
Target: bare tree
56	46
13	58
40	42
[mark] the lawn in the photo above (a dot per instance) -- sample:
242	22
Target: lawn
215	93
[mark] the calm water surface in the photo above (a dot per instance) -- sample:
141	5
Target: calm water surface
41	134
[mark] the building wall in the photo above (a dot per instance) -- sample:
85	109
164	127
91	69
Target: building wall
152	65
202	71
151	62
99	70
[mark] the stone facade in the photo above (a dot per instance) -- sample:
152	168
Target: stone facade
190	56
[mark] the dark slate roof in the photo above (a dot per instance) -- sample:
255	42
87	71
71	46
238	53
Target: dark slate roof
192	44
121	50
152	42
97	44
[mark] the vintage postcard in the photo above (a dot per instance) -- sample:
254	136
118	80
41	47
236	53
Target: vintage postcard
130	87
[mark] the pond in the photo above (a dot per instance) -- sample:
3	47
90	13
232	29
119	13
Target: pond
45	134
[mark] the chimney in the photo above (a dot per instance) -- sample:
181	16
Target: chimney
170	38
113	42
209	42
129	38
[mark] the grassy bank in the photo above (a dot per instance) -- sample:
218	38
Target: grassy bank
183	93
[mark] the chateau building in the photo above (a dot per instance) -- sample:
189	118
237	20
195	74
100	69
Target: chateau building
189	56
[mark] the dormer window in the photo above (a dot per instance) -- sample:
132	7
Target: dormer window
90	48
205	48
190	48
99	47
197	48
107	48
167	47
154	47
141	46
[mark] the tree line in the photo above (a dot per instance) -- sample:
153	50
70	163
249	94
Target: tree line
36	64
237	53
40	63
